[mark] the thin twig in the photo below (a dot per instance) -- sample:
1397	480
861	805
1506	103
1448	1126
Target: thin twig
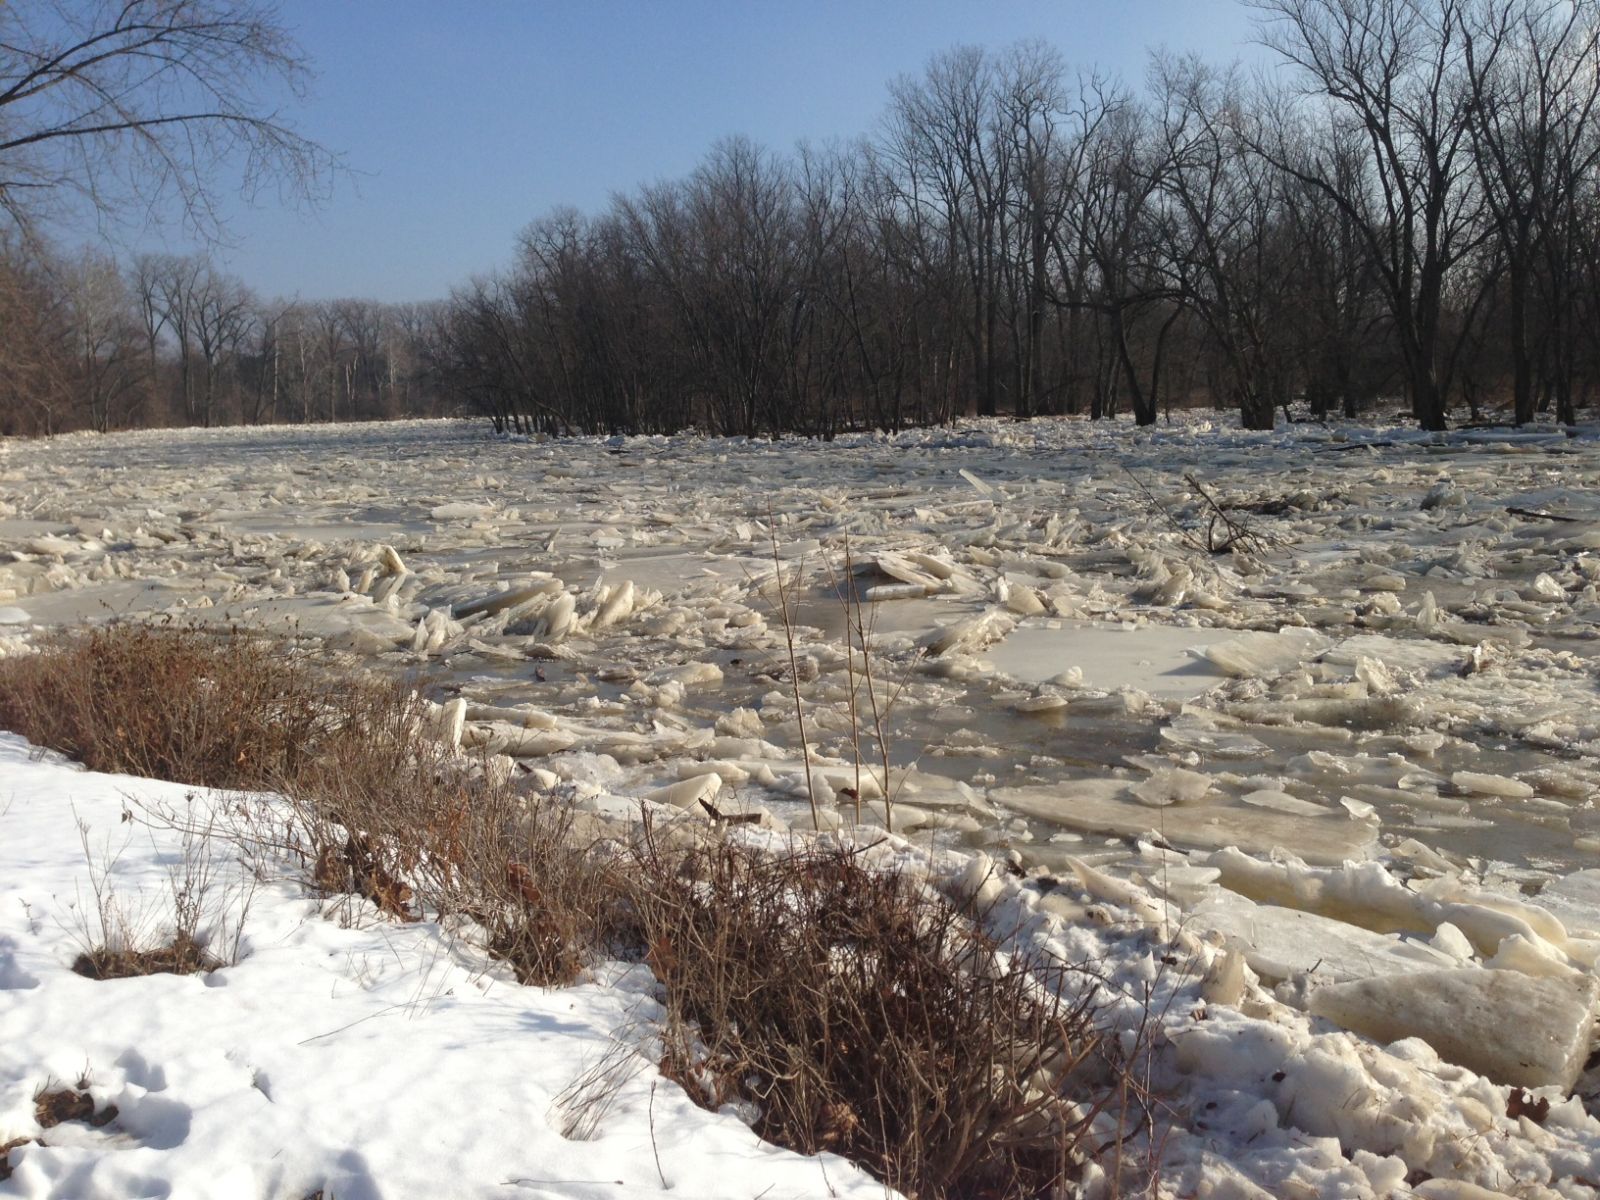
794	668
655	1149
1239	535
1183	533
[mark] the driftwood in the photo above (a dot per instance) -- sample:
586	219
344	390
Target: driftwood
729	818
1225	533
1534	514
1343	447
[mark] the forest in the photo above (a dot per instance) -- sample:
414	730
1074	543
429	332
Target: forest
1396	213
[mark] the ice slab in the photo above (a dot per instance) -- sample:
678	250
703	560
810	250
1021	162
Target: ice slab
1409	654
1152	658
98	601
1107	806
1261	654
1575	900
1516	1029
462	511
1281	943
1480	783
1212	743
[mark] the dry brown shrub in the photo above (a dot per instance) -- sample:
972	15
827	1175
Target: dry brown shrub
853	1010
859	1013
55	1106
452	838
215	708
182	956
5	1154
398	818
377	807
195	923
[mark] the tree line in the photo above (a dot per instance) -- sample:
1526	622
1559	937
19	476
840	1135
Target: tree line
173	340
1399	208
1402	208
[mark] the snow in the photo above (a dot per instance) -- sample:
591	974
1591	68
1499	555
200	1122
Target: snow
335	1054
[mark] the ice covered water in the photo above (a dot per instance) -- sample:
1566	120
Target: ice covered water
1048	635
1386	661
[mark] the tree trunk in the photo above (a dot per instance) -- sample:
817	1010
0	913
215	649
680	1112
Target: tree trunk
1523	399
1256	409
1144	407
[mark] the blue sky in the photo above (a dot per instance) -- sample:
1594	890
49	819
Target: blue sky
465	121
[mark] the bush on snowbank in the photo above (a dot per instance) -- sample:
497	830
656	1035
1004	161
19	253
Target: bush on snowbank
843	1008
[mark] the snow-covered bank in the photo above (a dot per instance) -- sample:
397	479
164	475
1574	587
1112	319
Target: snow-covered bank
371	1061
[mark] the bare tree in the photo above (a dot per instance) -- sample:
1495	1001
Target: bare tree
1335	301
1392	72
942	129
1031	105
36	353
1224	232
177	280
1534	68
1109	233
221	310
105	337
142	101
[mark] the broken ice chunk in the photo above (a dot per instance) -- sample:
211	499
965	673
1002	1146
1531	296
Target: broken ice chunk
1575	899
688	793
688	675
1264	654
1358	809
1443	494
51	545
898	567
1282	801
1023	600
461	511
1515	1029
1174	785
1212	742
448	720
389	559
1547	588
510	598
1396	654
1483	784
1104	806
982	488
616	605
1281	943
501	737
972	634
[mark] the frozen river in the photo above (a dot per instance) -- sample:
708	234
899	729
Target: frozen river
1398	656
